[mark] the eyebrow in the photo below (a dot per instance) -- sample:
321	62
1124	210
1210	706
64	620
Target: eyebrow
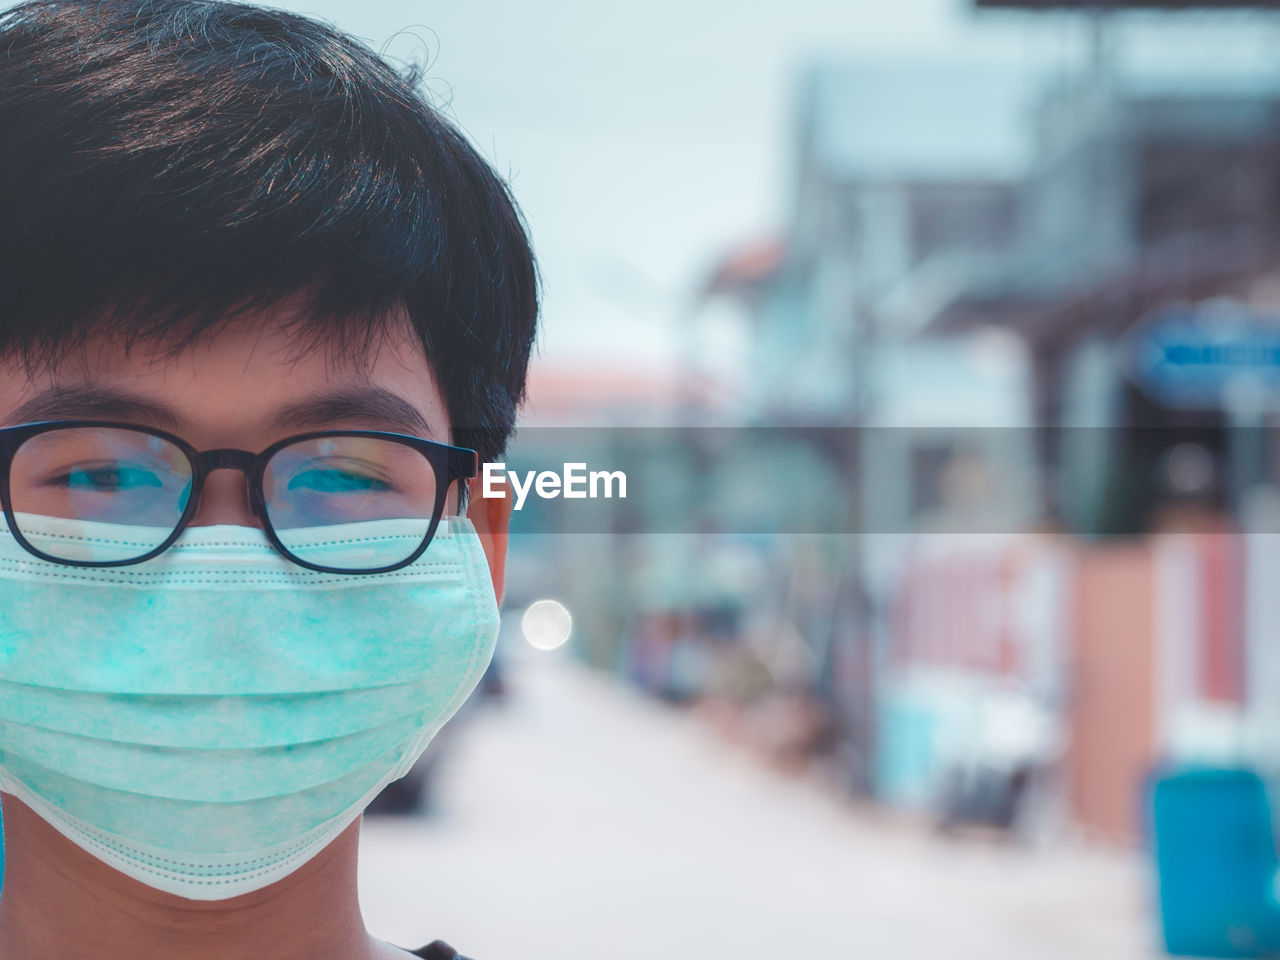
93	403
368	404
365	403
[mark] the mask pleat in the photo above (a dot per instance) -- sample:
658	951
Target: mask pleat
214	721
201	830
194	774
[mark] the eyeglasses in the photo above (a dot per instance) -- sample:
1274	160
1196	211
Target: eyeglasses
149	482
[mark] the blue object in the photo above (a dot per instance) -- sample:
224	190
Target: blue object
1215	851
1187	356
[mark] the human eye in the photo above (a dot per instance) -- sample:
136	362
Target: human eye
111	476
339	477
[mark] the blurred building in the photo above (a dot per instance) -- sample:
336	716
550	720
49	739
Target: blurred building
907	186
1146	287
1152	213
1063	289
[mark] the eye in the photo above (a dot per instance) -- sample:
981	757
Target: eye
107	478
337	478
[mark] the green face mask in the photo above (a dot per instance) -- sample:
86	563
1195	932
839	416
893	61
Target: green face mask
209	720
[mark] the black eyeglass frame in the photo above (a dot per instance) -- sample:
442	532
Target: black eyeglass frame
449	464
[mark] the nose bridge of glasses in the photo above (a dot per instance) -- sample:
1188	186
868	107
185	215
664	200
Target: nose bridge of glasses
227	459
217	501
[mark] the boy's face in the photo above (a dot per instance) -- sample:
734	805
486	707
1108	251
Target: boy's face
244	387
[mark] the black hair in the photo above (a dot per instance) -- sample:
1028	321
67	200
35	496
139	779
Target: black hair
166	165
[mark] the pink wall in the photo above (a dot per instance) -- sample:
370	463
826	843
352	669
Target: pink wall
1111	707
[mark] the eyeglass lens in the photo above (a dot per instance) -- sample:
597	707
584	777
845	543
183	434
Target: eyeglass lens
312	490
101	475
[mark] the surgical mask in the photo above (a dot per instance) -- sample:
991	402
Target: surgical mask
209	720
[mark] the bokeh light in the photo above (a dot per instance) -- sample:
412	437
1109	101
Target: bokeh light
546	624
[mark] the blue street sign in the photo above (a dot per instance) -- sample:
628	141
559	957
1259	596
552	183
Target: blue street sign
1189	355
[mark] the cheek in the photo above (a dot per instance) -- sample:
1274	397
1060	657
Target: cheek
492	519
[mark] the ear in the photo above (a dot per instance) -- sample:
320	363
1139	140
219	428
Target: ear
492	519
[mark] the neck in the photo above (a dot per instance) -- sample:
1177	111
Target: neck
60	901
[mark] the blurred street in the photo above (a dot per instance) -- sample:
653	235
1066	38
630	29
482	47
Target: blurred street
580	820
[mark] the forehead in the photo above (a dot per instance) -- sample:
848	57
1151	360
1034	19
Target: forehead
245	385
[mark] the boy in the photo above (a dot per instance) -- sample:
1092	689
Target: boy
262	314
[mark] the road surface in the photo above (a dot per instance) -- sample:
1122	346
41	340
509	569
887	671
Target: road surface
580	821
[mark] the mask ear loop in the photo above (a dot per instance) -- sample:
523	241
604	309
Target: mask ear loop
464	496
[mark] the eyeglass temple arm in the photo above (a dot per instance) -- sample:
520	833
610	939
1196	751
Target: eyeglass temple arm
466	467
